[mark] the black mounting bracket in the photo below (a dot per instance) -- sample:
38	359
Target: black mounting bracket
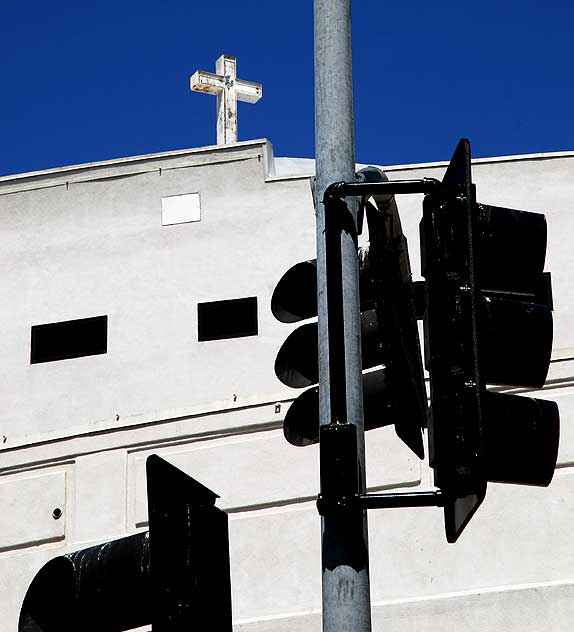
326	505
339	190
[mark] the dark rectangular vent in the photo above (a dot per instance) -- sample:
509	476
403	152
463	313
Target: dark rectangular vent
233	318
69	339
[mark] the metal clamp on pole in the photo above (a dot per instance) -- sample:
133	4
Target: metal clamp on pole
339	470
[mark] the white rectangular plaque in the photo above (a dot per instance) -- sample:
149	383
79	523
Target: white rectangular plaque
180	209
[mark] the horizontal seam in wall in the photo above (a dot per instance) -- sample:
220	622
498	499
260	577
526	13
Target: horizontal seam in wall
476	592
145	424
142	445
419	599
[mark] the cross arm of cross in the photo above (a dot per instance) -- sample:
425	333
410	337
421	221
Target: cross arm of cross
212	83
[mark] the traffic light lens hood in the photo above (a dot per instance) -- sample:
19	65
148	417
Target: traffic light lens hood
511	246
50	603
295	296
296	363
515	342
522	435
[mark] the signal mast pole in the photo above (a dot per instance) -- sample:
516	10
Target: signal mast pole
345	568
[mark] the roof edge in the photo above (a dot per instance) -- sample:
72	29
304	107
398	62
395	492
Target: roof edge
427	165
54	171
489	159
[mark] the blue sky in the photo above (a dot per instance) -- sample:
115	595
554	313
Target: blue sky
93	81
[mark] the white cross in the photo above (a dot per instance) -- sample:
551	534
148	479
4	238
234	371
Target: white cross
228	89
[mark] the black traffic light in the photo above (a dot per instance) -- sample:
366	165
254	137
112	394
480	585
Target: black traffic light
488	321
393	384
174	576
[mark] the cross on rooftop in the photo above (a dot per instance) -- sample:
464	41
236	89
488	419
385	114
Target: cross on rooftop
228	89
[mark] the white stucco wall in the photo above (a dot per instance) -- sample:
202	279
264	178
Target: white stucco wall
88	240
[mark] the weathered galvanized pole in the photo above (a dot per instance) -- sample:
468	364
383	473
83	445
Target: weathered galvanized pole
346	598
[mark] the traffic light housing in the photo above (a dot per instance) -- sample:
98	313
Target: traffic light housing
488	321
174	576
393	383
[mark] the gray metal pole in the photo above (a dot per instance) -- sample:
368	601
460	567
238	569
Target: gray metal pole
346	598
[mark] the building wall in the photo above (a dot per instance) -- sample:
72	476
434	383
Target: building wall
88	240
